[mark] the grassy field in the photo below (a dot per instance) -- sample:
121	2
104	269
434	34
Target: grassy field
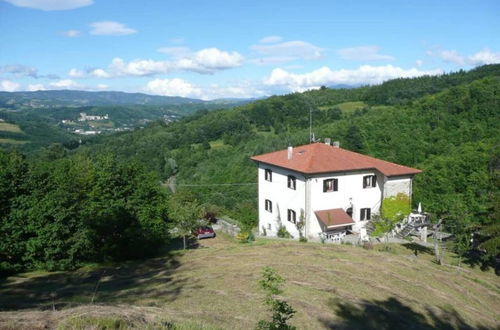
346	107
216	144
6	127
12	141
215	286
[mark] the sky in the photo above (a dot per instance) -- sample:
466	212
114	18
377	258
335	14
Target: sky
238	49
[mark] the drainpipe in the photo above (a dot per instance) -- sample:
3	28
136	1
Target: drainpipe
307	206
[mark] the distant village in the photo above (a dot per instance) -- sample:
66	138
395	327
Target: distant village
97	124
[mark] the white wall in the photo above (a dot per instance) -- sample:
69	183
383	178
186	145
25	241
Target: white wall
350	192
395	185
282	197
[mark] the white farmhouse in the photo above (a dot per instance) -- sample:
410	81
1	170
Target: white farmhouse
333	190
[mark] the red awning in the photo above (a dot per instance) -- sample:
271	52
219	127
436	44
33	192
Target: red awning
334	218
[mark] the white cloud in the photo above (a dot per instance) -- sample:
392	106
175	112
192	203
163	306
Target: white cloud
213	59
241	90
9	86
172	87
270	39
209	60
36	87
419	63
51	4
180	87
363	53
484	56
99	73
102	86
65	84
71	33
451	56
110	28
19	70
75	73
119	67
365	74
286	51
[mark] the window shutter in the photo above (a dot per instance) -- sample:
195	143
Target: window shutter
374	181
368	214
324	185
335	184
364	181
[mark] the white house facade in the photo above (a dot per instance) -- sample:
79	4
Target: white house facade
332	190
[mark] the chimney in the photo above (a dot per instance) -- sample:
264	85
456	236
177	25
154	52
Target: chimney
336	144
328	141
290	152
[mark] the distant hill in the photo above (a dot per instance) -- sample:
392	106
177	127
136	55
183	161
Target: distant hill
46	117
58	98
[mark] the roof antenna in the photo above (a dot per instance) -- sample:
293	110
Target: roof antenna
311	137
308	101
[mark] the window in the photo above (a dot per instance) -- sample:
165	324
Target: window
269	205
292	181
349	211
366	214
269	226
269	175
330	185
292	217
369	181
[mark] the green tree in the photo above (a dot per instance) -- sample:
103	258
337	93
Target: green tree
394	209
186	214
353	139
281	311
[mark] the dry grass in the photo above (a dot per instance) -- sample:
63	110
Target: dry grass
6	127
215	285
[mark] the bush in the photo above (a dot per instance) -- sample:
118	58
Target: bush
283	233
245	237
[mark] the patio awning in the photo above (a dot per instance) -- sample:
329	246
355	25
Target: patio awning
334	218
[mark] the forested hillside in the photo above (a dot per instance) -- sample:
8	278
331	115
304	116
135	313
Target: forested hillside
448	126
46	117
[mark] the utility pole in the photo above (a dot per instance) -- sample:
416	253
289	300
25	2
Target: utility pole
439	258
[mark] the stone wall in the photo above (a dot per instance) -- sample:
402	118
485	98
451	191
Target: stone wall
226	227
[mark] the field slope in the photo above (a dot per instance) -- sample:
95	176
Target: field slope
215	286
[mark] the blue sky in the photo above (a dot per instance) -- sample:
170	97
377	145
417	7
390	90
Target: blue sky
215	49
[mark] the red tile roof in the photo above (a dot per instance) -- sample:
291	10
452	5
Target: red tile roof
334	217
322	158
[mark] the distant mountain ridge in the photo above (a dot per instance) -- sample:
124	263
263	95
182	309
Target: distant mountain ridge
57	98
